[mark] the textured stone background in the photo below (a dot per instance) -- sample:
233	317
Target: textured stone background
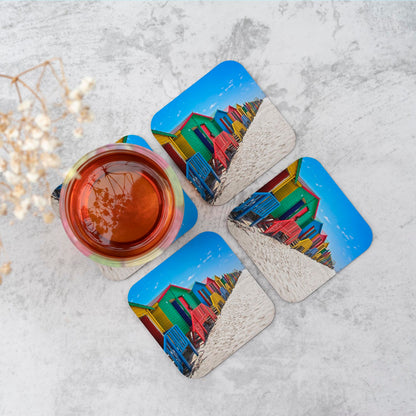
343	74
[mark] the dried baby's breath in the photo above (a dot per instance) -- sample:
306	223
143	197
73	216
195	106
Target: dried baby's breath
43	122
50	161
5	269
40	202
28	138
3	165
78	133
48	217
74	106
3	209
21	208
18	191
24	106
87	84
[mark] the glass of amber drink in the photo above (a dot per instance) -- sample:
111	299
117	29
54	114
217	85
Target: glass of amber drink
121	205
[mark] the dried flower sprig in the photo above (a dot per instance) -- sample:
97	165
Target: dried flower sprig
28	138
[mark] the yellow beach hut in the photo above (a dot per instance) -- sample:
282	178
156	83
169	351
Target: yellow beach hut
153	319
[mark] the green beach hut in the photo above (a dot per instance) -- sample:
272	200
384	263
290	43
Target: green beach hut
199	131
177	303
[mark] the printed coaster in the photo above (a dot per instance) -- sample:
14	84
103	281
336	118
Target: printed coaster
190	217
300	229
223	132
201	305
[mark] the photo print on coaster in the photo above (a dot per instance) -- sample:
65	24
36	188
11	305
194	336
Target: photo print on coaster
201	305
300	229
223	132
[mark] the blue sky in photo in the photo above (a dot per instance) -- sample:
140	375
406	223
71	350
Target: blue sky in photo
205	256
227	84
348	233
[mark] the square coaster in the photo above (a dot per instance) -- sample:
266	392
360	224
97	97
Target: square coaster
223	132
300	229
201	305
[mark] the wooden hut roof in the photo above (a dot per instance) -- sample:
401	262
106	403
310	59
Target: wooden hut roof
162	133
298	169
139	305
182	125
219	111
197	283
160	296
307	189
274	181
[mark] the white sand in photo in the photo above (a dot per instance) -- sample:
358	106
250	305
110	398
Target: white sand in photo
293	274
247	311
267	140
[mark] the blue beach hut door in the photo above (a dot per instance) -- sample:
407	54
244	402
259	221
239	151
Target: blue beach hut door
180	309
204	140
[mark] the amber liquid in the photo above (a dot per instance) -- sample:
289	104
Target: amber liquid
122	204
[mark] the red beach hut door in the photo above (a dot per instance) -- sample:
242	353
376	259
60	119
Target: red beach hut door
176	158
227	125
152	329
204	297
207	132
185	304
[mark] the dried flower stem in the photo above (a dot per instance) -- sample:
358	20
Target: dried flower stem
28	139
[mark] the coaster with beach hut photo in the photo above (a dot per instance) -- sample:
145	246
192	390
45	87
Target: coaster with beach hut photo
223	132
300	229
201	305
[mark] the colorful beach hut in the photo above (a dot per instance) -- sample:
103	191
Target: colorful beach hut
199	131
211	285
279	182
244	113
250	106
202	293
233	113
229	280
177	303
234	276
311	230
222	282
175	344
217	302
224	121
318	240
176	147
296	198
303	245
295	219
154	319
